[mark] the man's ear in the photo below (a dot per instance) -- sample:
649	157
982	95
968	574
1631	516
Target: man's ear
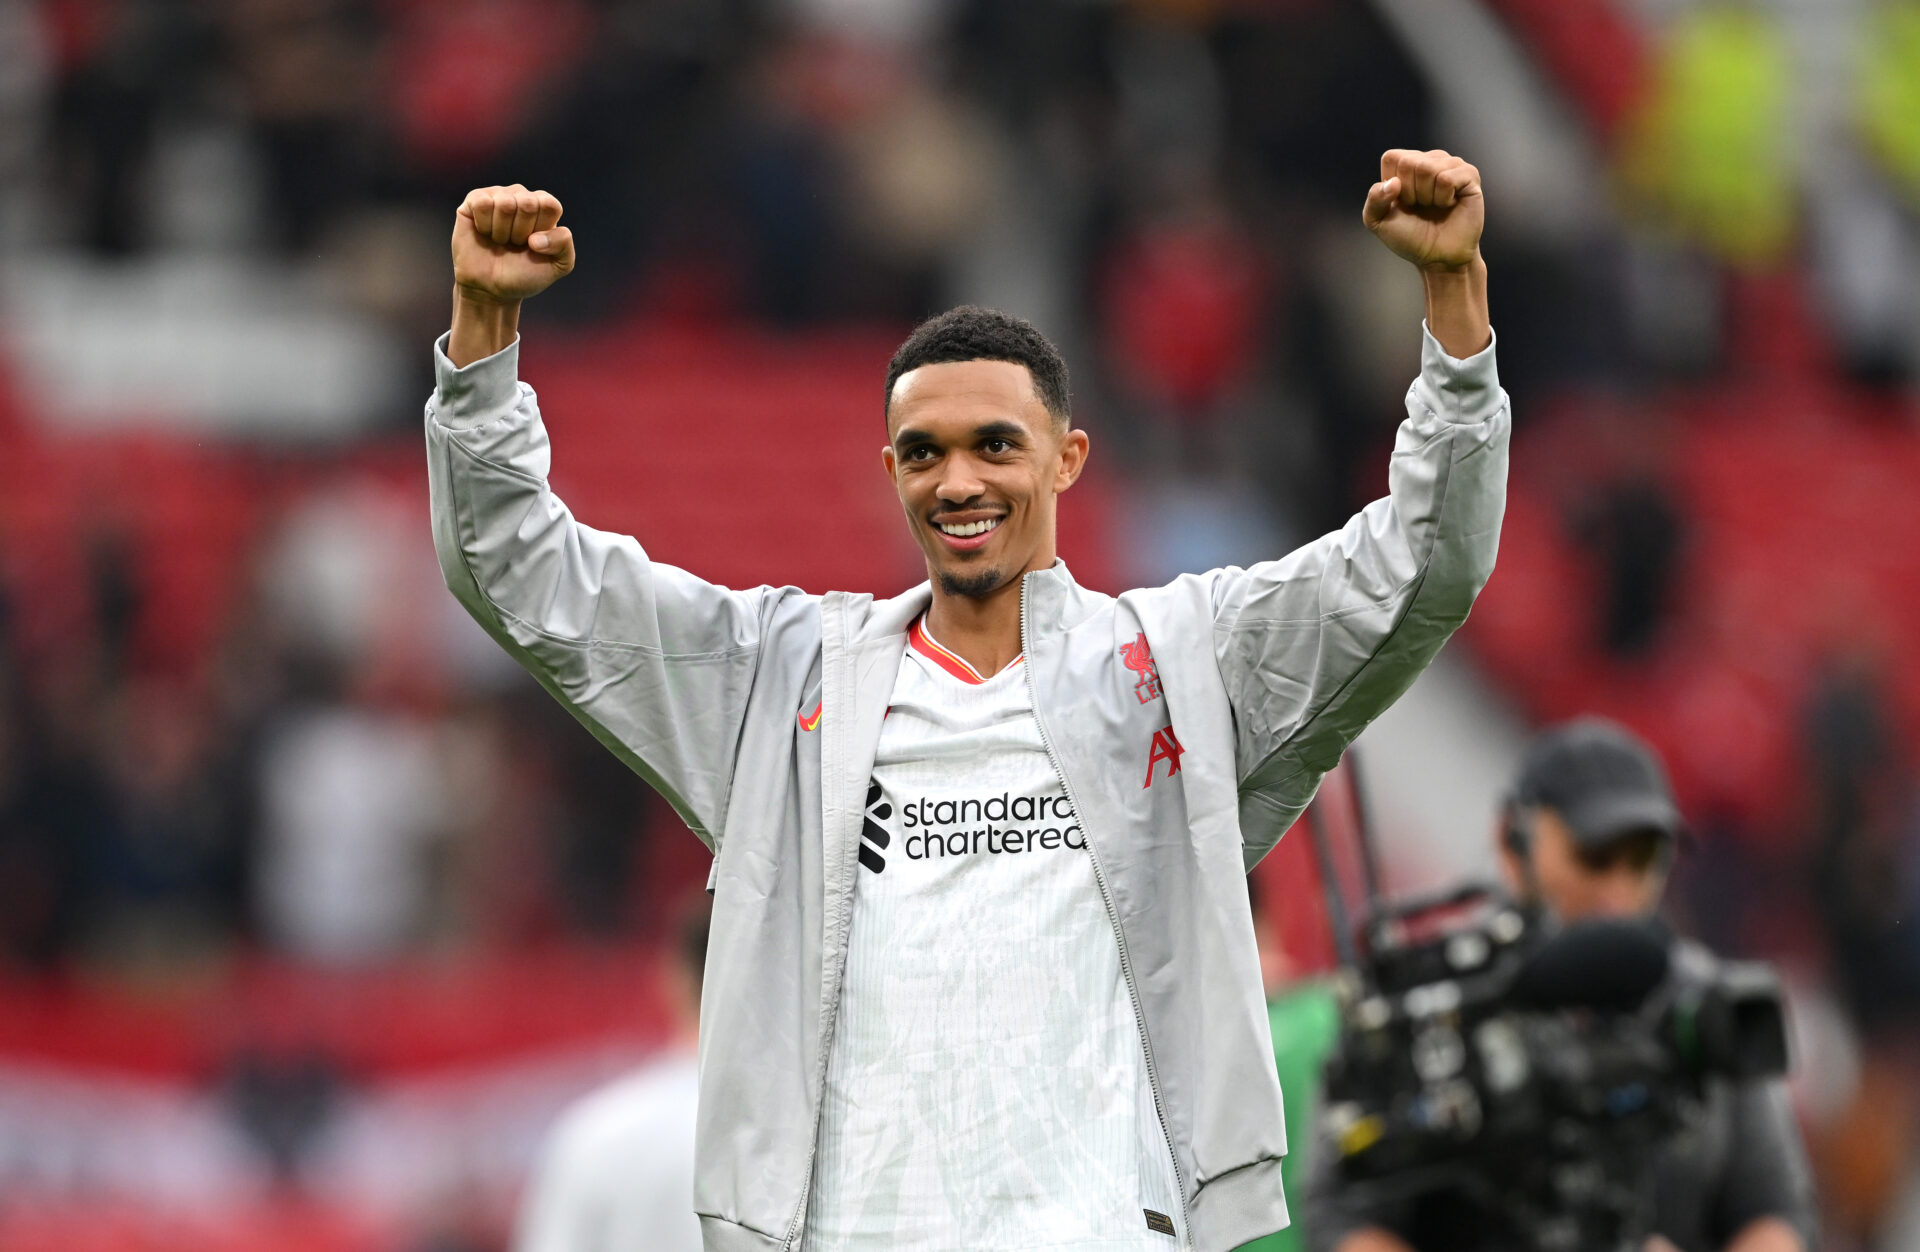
892	465
1074	448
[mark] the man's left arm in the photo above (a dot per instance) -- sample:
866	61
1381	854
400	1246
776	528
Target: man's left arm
1315	645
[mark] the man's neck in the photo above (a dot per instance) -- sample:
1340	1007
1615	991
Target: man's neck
984	631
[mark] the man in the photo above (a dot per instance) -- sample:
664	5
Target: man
617	1172
982	973
1590	832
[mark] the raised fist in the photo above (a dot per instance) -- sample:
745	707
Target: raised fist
1427	207
507	243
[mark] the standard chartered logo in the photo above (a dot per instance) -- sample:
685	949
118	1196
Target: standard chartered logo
999	825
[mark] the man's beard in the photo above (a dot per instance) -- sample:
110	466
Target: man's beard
973	586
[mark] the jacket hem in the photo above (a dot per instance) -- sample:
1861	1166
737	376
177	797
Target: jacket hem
717	1234
1237	1207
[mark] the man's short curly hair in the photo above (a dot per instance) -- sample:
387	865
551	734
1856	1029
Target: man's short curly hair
971	333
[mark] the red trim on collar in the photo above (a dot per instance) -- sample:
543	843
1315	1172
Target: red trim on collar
920	641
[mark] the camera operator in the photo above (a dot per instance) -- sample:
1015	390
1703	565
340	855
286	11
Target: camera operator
1590	832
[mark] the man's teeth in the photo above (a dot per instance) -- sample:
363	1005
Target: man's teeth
962	530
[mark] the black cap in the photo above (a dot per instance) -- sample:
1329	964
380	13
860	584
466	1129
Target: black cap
1602	779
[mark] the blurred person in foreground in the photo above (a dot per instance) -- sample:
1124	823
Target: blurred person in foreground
617	1172
1590	831
984	970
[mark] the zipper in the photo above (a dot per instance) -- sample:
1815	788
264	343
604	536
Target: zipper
1113	919
832	1012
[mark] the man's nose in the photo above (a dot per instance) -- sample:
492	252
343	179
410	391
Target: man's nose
1620	893
959	483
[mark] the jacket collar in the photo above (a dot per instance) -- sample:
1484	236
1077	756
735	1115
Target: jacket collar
1056	599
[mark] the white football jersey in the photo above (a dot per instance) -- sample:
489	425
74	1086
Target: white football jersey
987	1087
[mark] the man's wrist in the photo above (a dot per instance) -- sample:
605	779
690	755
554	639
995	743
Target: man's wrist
1457	307
483	324
1438	276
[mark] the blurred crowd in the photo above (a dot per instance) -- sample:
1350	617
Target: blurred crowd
1160	188
1697	197
350	774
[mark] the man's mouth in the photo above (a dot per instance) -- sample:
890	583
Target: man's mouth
966	535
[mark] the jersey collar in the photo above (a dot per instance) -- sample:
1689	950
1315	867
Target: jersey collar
920	641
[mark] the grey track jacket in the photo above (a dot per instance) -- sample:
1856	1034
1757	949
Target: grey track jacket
1264	675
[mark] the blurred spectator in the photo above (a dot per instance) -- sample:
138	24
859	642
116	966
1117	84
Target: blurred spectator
617	1171
1713	151
1866	850
1636	534
283	1100
168	875
1890	91
126	69
1183	312
308	72
351	806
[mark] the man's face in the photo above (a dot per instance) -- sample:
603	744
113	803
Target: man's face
1622	880
977	460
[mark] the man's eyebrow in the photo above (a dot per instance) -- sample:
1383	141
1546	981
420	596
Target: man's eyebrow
1001	429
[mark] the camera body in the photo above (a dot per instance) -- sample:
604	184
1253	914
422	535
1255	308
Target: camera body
1532	1072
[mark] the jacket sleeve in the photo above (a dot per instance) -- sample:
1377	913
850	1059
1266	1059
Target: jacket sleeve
1312	647
656	663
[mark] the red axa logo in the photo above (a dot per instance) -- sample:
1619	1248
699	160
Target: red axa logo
1136	657
1166	747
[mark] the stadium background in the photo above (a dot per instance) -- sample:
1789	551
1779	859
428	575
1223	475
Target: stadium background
313	910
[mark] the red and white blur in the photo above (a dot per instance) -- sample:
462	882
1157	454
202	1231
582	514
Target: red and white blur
316	912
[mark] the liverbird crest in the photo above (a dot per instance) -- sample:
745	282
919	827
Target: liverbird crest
1137	657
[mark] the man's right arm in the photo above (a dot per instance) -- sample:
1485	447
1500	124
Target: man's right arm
656	663
1766	1197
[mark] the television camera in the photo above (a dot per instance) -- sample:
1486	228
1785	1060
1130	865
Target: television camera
1526	1071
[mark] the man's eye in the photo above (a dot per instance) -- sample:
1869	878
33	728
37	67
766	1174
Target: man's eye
919	452
997	446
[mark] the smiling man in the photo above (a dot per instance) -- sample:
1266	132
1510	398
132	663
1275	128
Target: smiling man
982	971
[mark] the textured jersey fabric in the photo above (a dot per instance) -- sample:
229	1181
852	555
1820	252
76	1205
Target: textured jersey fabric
617	1172
986	1088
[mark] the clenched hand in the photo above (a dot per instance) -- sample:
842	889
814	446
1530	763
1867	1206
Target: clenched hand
508	243
1427	207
